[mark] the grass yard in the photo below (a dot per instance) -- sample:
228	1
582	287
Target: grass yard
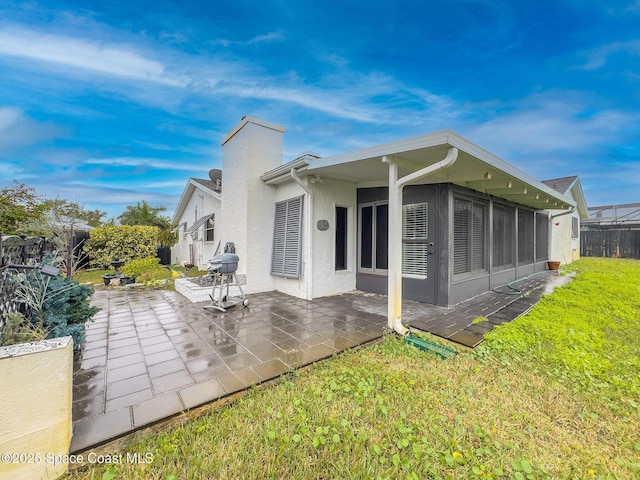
554	394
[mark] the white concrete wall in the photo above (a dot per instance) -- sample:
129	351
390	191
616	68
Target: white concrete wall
205	204
327	195
251	149
35	418
563	248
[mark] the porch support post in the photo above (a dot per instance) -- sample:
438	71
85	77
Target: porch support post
394	257
394	272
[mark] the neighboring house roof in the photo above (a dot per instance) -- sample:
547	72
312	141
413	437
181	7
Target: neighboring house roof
571	184
625	215
475	168
206	183
193	184
562	185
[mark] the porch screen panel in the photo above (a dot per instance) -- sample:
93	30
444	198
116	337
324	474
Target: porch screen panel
366	237
461	236
503	234
542	237
382	237
525	237
469	235
478	236
415	232
287	239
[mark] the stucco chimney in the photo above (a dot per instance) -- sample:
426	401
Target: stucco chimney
252	148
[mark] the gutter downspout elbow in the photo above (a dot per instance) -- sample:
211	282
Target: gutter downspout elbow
394	278
309	259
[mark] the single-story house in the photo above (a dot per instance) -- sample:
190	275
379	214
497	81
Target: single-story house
433	218
565	227
195	217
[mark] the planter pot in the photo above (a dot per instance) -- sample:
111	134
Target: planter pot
553	265
107	278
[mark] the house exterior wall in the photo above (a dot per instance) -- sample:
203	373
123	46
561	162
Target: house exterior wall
247	213
326	196
564	247
199	204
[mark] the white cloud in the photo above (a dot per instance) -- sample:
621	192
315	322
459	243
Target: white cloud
19	130
597	58
542	124
142	162
101	57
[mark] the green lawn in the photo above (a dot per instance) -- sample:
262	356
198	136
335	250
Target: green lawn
554	394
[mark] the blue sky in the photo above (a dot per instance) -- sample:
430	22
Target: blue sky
109	103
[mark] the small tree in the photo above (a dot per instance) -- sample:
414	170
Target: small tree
145	214
19	204
60	223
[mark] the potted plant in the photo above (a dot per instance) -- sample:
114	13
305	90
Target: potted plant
553	265
107	277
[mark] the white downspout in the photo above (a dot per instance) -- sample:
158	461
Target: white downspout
394	279
309	232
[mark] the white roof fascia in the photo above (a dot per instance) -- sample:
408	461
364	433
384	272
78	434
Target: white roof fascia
281	173
443	138
415	143
581	202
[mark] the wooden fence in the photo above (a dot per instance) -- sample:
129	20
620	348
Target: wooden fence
610	243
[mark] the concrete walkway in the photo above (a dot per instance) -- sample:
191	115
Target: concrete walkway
152	354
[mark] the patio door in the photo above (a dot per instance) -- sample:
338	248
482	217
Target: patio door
419	262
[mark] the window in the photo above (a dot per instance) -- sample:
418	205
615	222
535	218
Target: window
341	238
525	236
503	235
415	231
208	230
542	237
469	234
374	237
287	239
575	227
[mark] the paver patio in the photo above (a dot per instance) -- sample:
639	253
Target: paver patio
152	354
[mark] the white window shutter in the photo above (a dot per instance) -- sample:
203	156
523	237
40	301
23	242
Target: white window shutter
287	239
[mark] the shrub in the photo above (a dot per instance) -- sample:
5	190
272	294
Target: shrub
18	329
57	307
145	269
127	242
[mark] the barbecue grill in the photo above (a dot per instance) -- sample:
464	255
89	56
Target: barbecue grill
223	270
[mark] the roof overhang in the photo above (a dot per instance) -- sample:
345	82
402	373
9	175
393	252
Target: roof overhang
475	168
